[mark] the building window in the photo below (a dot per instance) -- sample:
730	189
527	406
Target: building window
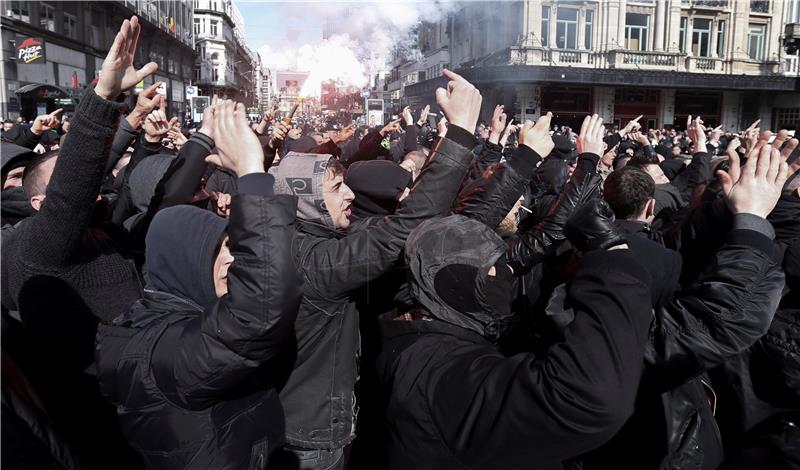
721	38
587	33
47	17
759	6
545	26
701	37
755	41
214	74
567	28
213	28
19	11
637	30
196	26
70	26
682	35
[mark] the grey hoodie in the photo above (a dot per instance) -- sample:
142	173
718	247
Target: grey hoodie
301	175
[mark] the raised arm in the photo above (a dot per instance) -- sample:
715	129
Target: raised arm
732	306
196	361
73	188
530	247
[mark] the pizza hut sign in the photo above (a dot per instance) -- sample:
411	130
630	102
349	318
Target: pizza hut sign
30	50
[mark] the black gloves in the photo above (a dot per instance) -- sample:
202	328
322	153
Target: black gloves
591	227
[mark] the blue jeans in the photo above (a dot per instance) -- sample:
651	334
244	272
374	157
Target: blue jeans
295	458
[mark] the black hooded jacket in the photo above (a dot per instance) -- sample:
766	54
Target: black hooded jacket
185	369
456	402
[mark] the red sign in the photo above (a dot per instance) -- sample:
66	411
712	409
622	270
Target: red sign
30	50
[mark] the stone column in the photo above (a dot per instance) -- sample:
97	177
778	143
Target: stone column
674	26
658	43
740	24
732	111
666	107
534	20
529	99
603	103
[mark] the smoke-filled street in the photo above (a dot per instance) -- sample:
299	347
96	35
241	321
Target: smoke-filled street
359	235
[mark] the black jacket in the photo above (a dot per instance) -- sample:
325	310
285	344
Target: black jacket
716	319
456	402
188	381
318	396
63	273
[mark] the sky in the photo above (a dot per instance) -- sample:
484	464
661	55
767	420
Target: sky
275	24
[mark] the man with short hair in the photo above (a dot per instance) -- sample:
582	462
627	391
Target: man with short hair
322	367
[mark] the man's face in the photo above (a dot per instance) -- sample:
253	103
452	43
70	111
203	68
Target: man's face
656	173
294	134
318	139
222	262
65	126
676	151
338	199
7	126
14	178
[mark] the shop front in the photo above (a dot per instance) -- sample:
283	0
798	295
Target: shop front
38	98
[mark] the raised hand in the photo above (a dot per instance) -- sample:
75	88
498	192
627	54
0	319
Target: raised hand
345	134
750	135
498	124
117	71
631	126
177	137
733	145
156	125
279	133
146	102
391	127
536	136
407	117
238	147
460	102
423	115
46	122
756	187
697	134
510	129
590	139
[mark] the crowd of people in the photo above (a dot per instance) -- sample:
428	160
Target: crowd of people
476	295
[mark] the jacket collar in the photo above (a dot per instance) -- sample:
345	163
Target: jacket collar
403	333
154	305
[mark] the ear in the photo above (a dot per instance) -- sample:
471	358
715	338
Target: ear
36	202
650	208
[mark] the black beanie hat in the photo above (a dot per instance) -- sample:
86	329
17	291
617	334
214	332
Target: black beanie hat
376	184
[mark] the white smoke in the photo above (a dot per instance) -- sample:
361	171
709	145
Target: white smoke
365	38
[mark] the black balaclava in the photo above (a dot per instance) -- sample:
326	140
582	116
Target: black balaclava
181	246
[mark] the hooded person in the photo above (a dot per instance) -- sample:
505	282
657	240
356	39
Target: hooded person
378	186
14	202
184	366
323	367
442	364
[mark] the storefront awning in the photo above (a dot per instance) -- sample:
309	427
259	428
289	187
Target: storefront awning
42	91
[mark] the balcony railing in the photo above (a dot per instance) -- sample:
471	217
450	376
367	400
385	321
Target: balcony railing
706	3
649	58
646	60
